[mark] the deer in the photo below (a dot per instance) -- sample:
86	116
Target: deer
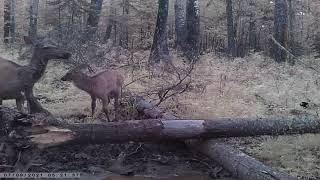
17	81
104	85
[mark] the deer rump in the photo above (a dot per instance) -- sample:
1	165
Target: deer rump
11	82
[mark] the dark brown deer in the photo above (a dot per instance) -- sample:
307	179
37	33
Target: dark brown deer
16	79
105	85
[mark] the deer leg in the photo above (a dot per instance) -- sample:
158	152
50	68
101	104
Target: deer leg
105	103
93	105
0	101
34	105
120	92
28	107
116	106
19	103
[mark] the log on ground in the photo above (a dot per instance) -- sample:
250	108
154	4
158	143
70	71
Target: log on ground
239	164
47	131
148	108
153	130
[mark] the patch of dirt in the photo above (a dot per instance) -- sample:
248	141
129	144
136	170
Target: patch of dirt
141	159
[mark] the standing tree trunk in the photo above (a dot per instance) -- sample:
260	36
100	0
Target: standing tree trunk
107	34
111	22
231	29
159	49
123	42
115	34
193	30
291	31
252	35
9	20
93	19
180	23
33	18
280	30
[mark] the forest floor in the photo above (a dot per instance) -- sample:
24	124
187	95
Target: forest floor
254	86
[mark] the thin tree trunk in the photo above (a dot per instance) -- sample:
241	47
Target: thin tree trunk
231	29
291	30
107	34
193	30
60	23
291	22
93	18
123	41
280	29
9	20
33	18
13	21
115	30
111	22
180	23
252	35
159	49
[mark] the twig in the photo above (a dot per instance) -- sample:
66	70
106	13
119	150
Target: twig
290	54
6	166
136	151
138	79
281	47
201	162
163	94
18	159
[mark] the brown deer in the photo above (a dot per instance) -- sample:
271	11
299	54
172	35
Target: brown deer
105	85
16	79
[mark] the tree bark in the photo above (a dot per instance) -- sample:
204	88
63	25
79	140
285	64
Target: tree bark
9	21
159	49
124	36
53	132
291	30
238	163
93	18
180	24
107	34
148	109
231	29
252	35
111	22
280	29
192	50
33	18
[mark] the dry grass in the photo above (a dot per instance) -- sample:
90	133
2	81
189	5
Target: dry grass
254	86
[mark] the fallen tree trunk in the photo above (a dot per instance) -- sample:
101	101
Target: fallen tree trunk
162	130
238	163
40	132
147	108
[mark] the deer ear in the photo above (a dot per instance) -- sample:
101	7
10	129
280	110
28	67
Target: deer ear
28	40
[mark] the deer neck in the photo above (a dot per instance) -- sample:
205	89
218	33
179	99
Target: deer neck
38	64
83	82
